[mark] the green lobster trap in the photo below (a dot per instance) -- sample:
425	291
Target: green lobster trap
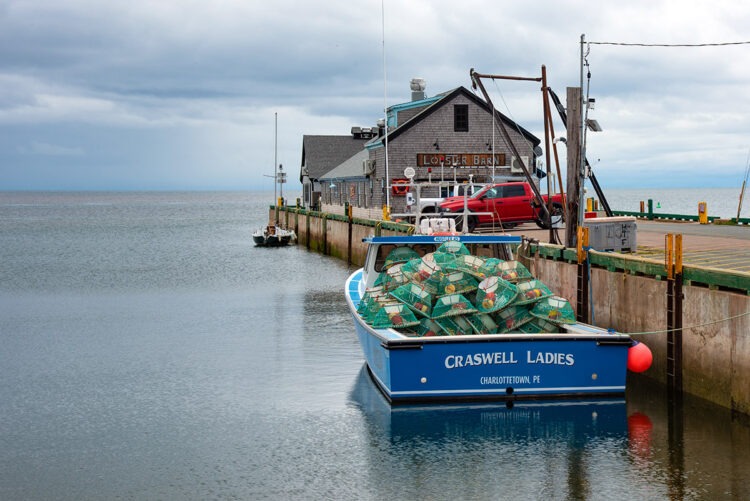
401	255
453	247
531	292
512	318
396	315
554	309
456	282
428	328
493	294
416	297
455	326
512	271
452	305
392	278
425	272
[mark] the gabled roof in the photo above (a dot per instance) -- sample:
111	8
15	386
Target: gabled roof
446	98
351	167
320	154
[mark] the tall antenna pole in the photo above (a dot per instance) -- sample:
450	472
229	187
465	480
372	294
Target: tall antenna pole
385	110
582	167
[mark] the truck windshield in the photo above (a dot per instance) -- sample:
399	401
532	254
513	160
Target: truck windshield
479	193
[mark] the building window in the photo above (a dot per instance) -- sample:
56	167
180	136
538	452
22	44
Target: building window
461	118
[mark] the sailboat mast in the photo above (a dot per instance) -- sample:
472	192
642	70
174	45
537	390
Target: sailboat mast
385	112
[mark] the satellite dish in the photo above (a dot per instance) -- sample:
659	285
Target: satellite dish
410	172
538	151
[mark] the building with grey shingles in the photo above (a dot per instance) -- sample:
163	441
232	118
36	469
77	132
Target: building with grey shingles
321	154
446	138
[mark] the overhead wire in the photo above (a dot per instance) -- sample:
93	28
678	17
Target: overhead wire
627	44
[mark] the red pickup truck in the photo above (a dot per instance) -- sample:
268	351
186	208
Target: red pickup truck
509	204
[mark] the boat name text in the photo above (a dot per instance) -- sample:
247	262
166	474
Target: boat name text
496	358
504	358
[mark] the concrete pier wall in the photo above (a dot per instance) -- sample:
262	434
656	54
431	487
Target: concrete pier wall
626	295
715	337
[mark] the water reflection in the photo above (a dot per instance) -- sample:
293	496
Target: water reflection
576	421
693	448
646	446
537	449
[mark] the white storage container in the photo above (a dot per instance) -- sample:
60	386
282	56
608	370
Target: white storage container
612	233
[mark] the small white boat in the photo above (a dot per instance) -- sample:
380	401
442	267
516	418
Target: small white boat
273	236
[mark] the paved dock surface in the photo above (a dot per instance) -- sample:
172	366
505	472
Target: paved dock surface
707	245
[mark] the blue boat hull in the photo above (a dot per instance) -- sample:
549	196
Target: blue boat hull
584	362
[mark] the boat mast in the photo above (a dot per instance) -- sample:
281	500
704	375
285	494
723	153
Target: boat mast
385	112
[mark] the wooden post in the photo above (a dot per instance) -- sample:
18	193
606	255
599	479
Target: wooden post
349	236
674	311
573	190
582	270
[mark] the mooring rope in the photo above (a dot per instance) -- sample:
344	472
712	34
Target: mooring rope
689	327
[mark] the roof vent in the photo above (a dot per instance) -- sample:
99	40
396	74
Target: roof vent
418	85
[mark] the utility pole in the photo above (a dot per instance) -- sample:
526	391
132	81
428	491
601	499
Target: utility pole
573	187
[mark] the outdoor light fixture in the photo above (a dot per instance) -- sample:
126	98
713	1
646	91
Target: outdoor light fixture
436	145
593	125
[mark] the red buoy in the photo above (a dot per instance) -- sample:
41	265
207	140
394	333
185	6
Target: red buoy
639	357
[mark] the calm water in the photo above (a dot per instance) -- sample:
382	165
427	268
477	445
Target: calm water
721	202
149	351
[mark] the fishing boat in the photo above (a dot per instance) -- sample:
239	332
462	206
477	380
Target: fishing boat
438	322
273	236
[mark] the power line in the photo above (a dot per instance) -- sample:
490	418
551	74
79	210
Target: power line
625	44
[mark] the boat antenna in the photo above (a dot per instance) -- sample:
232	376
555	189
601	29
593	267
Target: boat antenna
385	110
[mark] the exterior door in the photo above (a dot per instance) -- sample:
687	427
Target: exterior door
515	203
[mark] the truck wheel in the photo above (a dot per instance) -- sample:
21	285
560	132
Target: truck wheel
470	225
557	212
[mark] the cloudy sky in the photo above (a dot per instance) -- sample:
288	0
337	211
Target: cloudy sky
181	94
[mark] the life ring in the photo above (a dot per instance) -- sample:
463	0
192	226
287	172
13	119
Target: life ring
400	187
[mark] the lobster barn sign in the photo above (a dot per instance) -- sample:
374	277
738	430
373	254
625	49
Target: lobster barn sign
465	160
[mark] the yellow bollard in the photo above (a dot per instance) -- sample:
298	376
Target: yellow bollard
386	213
589	204
702	212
